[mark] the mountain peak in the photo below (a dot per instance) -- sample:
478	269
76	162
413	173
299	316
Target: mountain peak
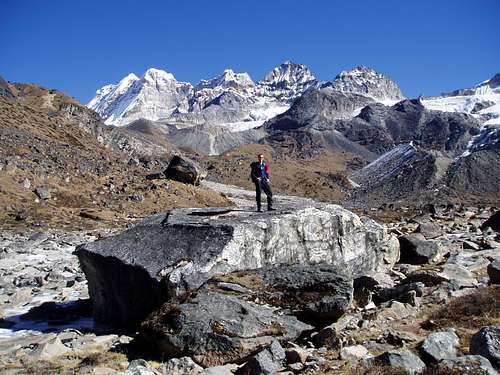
290	73
153	74
366	81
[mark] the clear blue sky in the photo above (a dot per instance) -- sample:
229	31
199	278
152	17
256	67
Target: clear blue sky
428	47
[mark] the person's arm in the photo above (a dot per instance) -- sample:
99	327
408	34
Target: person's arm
267	172
252	172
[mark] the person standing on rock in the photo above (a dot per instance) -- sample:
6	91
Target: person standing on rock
260	177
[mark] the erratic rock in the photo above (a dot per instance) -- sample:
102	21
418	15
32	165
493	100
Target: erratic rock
415	249
185	170
486	342
167	255
494	272
468	364
405	360
215	328
440	345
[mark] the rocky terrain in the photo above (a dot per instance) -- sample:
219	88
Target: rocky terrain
60	166
435	310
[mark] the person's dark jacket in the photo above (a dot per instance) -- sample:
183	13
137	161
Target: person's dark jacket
258	170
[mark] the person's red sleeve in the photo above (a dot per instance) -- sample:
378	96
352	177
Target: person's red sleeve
267	170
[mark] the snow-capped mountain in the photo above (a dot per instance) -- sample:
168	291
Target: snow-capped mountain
483	101
367	82
232	100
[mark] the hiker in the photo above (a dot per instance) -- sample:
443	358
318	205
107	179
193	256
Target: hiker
260	177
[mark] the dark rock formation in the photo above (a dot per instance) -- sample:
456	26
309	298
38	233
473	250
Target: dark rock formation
185	170
215	328
494	272
415	249
167	255
486	343
493	222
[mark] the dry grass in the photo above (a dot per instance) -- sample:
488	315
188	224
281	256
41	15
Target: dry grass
81	362
468	314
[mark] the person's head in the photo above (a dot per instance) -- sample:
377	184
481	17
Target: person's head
260	158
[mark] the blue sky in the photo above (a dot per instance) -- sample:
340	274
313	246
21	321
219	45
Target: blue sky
427	47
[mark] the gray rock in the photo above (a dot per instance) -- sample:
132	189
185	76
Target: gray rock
26	183
400	291
228	369
268	361
296	355
494	272
185	170
354	353
167	255
405	360
215	329
430	230
316	293
416	250
49	350
486	342
439	345
180	366
43	193
469	364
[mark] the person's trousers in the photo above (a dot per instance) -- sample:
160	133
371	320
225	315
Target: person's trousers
260	186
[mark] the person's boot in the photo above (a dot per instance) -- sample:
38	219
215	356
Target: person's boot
271	209
259	209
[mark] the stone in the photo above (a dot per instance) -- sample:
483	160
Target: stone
96	214
185	170
294	355
400	291
469	364
228	369
268	361
49	350
216	329
493	222
26	184
429	230
167	255
354	353
180	366
43	193
316	293
439	345
470	245
415	249
405	360
494	272
486	342
330	336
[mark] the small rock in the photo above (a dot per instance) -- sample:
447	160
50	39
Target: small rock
268	361
494	272
354	353
43	193
228	369
136	197
405	360
429	230
415	249
470	245
26	183
295	355
440	345
180	366
49	350
486	342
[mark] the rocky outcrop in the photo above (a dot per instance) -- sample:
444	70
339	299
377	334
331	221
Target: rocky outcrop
217	328
167	255
185	170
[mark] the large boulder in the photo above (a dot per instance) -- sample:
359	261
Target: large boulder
493	222
185	170
486	342
415	249
167	255
440	345
404	360
216	328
